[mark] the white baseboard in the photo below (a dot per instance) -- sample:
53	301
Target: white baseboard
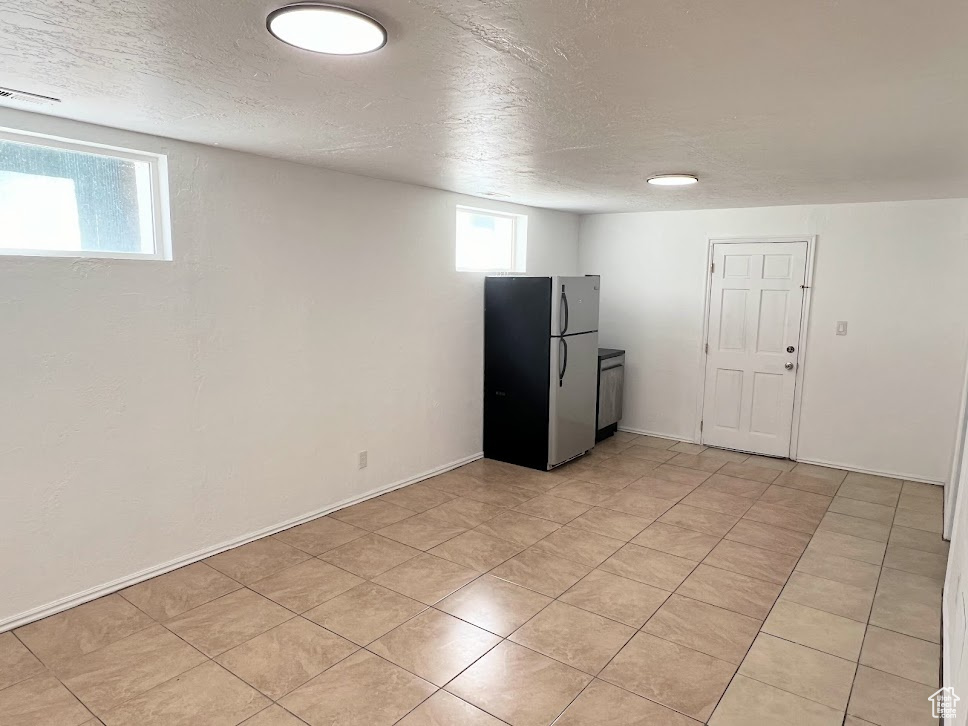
93	593
802	460
875	472
643	432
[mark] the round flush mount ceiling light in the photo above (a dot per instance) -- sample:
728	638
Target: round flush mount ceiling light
674	180
324	28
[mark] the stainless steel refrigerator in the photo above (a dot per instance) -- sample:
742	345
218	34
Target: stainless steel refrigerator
540	368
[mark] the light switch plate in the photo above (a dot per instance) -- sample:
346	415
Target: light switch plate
841	327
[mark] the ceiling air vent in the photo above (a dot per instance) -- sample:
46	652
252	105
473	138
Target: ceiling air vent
12	94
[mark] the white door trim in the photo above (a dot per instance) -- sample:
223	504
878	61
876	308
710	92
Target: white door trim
957	462
811	241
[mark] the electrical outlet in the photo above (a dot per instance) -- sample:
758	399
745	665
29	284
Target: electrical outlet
841	327
363	459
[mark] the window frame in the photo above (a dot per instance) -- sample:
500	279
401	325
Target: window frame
158	194
519	234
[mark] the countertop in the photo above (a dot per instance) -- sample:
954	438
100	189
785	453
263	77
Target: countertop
609	353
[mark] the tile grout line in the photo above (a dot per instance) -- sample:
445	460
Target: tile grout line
870	612
312	556
594	677
763	622
501	640
208	658
49	670
276	700
857	663
547	605
626	542
722	538
534	494
637	630
866	624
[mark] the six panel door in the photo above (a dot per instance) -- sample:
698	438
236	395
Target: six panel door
755	306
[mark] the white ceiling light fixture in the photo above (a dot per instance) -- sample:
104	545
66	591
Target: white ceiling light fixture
330	29
674	180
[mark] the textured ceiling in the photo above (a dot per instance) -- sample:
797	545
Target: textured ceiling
568	104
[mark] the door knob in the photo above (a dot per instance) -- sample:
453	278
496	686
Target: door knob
789	366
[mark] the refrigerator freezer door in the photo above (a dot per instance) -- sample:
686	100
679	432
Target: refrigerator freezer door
574	388
574	305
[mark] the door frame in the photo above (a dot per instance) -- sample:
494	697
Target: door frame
811	240
958	464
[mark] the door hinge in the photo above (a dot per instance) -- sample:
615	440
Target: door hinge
707	348
712	266
700	426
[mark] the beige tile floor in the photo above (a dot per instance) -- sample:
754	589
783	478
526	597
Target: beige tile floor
650	583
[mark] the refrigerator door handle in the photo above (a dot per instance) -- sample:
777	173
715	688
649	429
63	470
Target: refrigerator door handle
564	310
563	357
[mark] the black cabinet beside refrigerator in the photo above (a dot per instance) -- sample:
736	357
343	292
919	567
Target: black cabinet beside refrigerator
540	368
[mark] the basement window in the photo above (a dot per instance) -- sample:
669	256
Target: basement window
491	241
61	198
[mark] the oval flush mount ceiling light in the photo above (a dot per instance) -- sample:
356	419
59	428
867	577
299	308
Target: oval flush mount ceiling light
324	28
674	180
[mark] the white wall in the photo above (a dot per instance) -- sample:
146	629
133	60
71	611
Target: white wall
884	398
152	410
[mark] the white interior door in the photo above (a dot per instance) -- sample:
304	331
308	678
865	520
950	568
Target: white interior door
755	306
